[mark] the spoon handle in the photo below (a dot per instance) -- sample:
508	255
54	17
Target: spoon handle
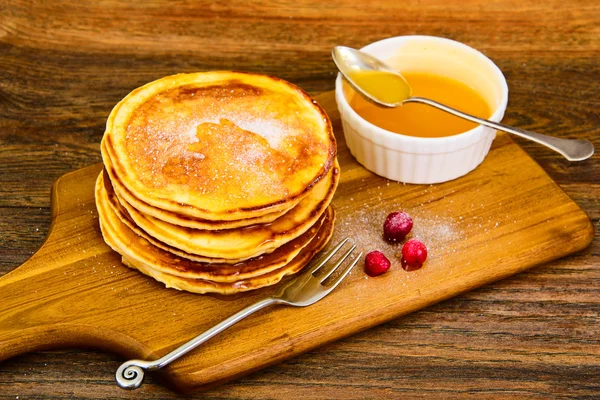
571	149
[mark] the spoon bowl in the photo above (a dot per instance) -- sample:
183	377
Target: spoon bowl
374	79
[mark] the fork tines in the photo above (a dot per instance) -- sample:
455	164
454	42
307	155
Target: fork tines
329	270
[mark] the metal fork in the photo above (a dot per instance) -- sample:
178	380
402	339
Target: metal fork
302	291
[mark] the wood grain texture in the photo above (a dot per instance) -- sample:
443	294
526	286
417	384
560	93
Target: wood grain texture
63	65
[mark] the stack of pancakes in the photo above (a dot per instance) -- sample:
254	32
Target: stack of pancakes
217	181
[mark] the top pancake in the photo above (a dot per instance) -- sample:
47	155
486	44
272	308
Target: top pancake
219	145
178	219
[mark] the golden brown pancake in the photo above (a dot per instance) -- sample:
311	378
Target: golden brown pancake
220	270
179	219
203	286
219	145
150	260
245	242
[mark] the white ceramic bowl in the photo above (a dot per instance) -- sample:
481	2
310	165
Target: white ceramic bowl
426	160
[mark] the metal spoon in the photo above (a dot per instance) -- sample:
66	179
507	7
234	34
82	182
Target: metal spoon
353	64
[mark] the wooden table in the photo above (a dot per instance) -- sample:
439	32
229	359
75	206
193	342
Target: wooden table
64	64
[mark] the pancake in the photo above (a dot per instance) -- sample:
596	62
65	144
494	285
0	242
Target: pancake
203	286
190	266
152	261
219	145
246	242
179	219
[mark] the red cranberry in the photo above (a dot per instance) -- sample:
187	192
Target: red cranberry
414	254
376	263
396	226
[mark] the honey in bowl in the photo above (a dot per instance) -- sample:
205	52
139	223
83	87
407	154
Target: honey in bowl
420	120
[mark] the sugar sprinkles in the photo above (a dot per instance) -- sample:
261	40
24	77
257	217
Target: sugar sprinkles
365	228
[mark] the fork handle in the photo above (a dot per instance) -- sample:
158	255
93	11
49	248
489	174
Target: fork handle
130	374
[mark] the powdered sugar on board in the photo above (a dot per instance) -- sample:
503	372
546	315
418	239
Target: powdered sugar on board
365	227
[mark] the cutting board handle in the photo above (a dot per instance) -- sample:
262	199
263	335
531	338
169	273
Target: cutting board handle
47	302
14	342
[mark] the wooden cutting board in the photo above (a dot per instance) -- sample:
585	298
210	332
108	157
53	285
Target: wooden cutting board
502	218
